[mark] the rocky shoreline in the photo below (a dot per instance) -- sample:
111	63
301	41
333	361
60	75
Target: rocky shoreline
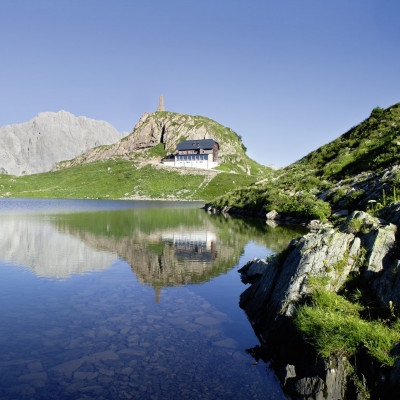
364	249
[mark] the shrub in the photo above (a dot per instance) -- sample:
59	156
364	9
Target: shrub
303	205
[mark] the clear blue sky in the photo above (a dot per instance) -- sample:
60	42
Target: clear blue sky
286	75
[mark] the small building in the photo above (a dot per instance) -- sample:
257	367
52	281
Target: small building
195	154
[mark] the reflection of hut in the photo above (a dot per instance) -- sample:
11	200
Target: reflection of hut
194	246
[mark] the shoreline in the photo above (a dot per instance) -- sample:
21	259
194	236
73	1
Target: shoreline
319	275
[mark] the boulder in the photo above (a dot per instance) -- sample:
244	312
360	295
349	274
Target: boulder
283	285
272	215
380	244
253	270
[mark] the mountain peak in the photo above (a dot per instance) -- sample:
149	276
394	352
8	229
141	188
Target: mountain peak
50	137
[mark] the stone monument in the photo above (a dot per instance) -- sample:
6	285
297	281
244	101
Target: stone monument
161	103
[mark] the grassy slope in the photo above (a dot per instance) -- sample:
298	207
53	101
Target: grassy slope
336	324
118	177
124	179
372	145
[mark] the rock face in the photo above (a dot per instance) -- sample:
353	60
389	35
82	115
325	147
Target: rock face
280	288
363	188
169	129
365	245
36	146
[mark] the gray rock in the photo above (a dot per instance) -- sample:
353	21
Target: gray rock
367	223
282	287
328	383
314	225
288	371
253	270
380	244
387	286
309	387
36	146
341	213
391	213
272	215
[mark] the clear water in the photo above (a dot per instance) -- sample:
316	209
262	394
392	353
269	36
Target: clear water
127	300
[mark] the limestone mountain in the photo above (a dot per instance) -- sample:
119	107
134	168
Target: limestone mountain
36	146
166	129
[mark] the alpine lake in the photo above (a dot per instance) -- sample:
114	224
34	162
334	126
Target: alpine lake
128	300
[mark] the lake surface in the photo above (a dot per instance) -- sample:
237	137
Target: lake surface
128	300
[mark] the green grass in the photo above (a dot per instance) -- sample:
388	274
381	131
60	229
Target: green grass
223	183
264	199
371	146
156	151
333	324
115	179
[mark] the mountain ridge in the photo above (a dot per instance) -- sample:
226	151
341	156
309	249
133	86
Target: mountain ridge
37	145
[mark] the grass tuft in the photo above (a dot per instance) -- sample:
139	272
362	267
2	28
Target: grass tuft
333	324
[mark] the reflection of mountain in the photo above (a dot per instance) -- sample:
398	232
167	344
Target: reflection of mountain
34	243
164	246
171	246
161	262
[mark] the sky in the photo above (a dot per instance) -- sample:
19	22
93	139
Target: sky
286	75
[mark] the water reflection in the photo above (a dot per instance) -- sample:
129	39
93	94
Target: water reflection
171	247
197	246
38	245
164	247
101	335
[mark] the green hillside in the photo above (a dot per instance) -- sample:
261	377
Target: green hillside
131	167
114	179
372	145
346	173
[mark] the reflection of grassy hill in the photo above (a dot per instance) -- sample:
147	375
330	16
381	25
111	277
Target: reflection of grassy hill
139	237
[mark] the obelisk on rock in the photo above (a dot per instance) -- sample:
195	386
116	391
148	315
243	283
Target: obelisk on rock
161	103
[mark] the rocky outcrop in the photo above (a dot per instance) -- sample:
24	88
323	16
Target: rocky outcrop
169	129
365	188
364	245
378	237
36	146
391	213
282	285
387	286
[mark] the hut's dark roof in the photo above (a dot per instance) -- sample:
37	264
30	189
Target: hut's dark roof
204	144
